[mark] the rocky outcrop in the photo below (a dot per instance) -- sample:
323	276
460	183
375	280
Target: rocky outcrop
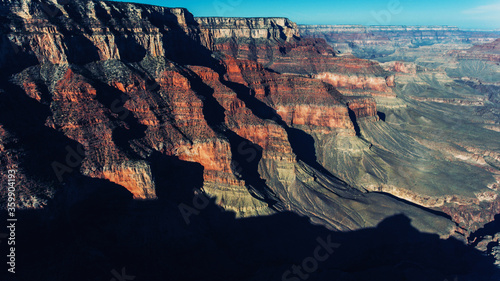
298	101
363	107
264	40
376	86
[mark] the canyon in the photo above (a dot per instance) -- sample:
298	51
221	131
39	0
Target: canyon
127	114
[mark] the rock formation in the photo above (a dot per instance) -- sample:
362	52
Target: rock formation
417	61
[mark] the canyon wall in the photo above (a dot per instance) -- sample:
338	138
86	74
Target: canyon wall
264	118
394	35
487	52
284	50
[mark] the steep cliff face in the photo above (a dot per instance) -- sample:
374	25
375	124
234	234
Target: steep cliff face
112	109
402	67
282	49
49	32
264	40
487	52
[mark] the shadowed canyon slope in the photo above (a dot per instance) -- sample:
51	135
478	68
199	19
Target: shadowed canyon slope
101	102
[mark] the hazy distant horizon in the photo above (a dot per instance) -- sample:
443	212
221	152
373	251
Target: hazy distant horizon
460	13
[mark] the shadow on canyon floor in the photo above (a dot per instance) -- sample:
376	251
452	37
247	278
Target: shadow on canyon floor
93	230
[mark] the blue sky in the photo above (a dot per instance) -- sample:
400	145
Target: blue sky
465	14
